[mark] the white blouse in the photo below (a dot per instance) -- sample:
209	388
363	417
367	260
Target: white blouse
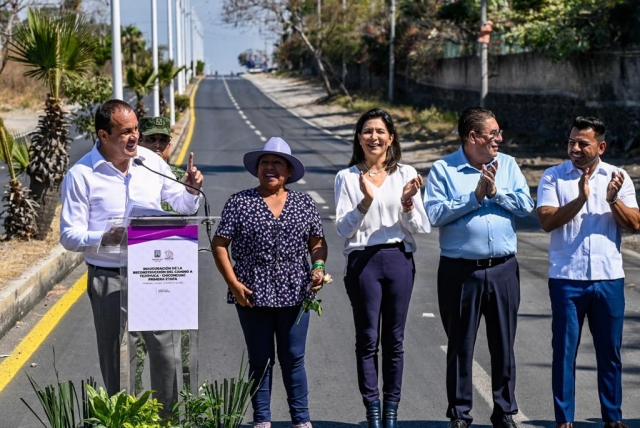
385	222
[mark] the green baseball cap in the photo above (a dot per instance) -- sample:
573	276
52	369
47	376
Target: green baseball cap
154	125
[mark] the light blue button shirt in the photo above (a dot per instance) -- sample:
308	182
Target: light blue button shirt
469	229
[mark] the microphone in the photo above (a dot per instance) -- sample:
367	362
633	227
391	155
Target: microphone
207	214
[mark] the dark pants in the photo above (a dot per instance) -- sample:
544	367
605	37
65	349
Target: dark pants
379	282
260	325
603	303
467	292
104	289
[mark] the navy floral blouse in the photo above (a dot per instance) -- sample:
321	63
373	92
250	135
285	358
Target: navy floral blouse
271	255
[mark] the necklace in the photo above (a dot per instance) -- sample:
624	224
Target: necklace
372	173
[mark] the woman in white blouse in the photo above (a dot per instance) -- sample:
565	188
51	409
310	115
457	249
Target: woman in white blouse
378	209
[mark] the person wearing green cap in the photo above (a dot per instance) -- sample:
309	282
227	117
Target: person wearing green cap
155	135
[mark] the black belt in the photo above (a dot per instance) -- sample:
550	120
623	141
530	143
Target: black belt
382	246
110	269
481	262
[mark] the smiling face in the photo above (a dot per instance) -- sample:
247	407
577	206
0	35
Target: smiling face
483	145
273	171
375	140
584	149
121	144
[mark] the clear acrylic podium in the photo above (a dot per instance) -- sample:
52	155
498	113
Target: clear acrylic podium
159	295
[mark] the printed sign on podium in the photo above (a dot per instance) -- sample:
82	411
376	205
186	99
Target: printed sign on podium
162	273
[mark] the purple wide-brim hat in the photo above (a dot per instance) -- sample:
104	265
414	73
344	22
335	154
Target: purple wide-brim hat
275	146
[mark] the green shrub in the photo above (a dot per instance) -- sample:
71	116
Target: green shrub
182	103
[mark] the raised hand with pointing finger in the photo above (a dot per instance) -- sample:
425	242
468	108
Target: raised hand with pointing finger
193	176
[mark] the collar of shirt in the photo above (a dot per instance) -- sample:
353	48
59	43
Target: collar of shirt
570	168
460	160
97	159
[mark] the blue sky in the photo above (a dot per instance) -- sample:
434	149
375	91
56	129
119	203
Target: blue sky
222	43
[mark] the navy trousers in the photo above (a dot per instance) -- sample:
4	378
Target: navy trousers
603	303
379	283
467	292
260	326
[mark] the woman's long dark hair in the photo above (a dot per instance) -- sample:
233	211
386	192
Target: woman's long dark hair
394	154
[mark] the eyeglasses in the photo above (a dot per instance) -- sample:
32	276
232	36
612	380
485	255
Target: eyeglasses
495	134
161	140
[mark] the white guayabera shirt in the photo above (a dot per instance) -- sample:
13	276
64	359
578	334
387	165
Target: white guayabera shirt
588	247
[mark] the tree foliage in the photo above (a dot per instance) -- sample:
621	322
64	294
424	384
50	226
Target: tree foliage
9	19
563	28
55	49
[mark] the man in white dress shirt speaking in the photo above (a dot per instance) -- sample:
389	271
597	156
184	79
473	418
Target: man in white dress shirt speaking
100	186
585	203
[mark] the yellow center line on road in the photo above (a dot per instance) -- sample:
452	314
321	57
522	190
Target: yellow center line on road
192	123
30	344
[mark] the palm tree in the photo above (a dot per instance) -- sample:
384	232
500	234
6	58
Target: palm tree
141	81
132	43
166	73
54	49
20	209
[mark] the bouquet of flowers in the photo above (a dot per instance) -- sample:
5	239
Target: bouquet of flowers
315	304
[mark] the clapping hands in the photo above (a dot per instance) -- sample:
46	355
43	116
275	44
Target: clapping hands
487	184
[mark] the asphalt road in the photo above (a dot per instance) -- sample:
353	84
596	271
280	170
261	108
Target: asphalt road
222	135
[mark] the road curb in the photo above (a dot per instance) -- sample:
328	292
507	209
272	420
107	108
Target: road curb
20	295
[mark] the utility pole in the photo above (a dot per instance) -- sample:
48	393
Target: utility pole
116	50
172	101
188	27
179	43
392	38
484	61
319	14
154	55
344	62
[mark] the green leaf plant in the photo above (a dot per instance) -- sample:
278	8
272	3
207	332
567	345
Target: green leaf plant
60	403
219	405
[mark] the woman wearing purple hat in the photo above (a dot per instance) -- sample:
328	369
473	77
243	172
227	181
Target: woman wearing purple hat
272	232
378	209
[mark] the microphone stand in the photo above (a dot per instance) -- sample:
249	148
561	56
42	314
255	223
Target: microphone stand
207	221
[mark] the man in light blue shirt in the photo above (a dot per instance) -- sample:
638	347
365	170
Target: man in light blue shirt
473	196
585	203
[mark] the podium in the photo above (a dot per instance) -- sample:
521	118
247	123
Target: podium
159	297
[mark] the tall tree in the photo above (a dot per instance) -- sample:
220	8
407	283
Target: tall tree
284	15
166	73
133	43
9	11
54	49
564	28
141	81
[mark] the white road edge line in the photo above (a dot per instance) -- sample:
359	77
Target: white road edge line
307	121
316	197
482	384
301	181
